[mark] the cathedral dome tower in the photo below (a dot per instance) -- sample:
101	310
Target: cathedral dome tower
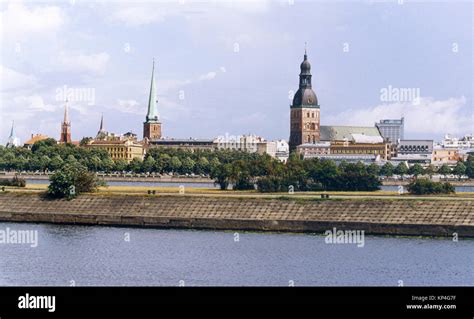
304	112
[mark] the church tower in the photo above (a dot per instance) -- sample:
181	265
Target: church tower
13	141
304	112
152	125
65	127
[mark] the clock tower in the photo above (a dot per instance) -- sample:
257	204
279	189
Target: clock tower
304	112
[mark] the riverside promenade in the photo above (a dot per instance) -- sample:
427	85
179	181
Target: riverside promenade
404	216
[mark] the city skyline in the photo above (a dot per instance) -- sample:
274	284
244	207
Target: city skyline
239	84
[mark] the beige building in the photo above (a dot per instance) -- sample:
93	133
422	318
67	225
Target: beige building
446	156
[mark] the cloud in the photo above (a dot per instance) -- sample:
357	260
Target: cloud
11	79
129	106
428	117
159	11
92	63
19	20
32	103
208	76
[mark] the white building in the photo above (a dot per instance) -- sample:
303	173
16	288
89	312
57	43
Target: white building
253	144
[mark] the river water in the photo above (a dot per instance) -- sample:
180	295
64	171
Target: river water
93	255
212	185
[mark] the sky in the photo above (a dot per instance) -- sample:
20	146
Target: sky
231	67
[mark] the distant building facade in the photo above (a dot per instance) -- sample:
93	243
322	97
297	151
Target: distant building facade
304	111
356	141
119	147
392	130
443	155
185	144
312	150
35	138
414	151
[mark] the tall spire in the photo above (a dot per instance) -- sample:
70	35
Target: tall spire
65	136
12	139
152	115
12	132
66	114
101	129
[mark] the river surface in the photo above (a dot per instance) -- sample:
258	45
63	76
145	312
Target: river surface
392	188
96	255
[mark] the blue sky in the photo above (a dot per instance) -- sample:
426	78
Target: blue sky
231	66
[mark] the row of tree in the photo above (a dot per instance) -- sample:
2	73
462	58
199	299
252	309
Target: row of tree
268	175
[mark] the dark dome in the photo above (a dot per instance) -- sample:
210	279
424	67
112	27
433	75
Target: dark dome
305	96
305	66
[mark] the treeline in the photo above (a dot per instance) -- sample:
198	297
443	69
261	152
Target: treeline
268	175
47	155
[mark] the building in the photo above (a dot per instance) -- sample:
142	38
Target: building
125	146
465	142
443	155
13	141
34	138
414	151
353	141
152	125
119	148
244	143
253	144
312	150
186	144
65	136
282	150
304	111
391	130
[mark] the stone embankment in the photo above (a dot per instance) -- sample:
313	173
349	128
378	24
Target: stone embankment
374	216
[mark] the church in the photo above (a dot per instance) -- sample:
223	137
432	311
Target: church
309	138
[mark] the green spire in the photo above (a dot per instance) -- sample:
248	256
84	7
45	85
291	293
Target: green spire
152	115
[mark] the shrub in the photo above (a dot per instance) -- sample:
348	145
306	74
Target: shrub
71	180
424	186
15	181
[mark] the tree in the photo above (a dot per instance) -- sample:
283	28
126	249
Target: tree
416	170
43	144
175	164
459	170
56	162
136	165
470	166
386	170
430	170
373	169
444	170
422	186
148	164
71	180
120	165
222	175
401	169
107	164
187	165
